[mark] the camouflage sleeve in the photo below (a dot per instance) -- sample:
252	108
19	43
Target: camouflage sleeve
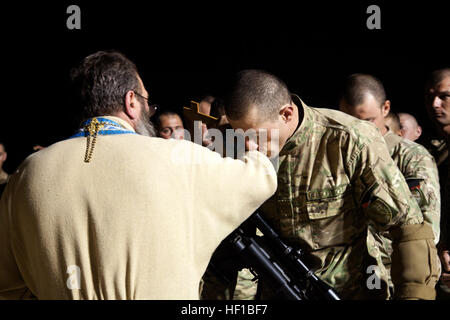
387	204
422	176
379	186
246	286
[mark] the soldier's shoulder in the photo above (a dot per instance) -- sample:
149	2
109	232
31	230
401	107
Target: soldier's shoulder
360	130
413	149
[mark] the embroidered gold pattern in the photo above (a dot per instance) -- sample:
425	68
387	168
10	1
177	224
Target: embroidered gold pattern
92	130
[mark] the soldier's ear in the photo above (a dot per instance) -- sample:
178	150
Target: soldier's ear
386	108
287	113
419	131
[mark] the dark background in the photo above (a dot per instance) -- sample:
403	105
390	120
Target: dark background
186	50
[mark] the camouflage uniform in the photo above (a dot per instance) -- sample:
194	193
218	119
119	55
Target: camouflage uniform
420	171
246	288
335	178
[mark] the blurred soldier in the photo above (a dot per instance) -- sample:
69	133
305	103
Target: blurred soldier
410	129
3	175
169	125
438	106
393	122
335	178
364	97
112	213
205	104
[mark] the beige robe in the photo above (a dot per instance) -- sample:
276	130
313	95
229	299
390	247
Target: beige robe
140	221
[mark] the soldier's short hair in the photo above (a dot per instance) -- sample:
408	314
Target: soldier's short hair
437	76
394	120
256	88
100	82
167	114
359	85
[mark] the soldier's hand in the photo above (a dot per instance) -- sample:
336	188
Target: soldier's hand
251	144
206	140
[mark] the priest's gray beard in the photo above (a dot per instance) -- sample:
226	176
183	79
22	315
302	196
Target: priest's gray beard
144	125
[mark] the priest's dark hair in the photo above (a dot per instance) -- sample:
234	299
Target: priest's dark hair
101	81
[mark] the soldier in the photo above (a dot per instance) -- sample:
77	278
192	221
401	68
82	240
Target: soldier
437	103
169	125
410	129
364	97
113	213
3	175
393	122
335	178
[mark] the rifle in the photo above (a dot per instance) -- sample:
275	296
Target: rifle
277	263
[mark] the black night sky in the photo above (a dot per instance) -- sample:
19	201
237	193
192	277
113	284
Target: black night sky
186	50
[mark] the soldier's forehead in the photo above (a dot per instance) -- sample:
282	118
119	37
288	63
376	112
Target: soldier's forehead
443	85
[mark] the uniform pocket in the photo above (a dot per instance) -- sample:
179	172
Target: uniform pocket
332	216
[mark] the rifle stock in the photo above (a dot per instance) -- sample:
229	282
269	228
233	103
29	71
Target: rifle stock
278	263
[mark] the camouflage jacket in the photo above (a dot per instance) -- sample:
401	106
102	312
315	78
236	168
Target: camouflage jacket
335	178
420	171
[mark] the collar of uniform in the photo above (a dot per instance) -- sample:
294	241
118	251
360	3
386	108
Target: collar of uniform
391	139
119	121
291	143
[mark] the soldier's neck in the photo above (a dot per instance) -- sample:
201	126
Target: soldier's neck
446	130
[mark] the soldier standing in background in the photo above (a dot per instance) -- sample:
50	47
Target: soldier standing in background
437	102
410	128
3	175
364	97
393	122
